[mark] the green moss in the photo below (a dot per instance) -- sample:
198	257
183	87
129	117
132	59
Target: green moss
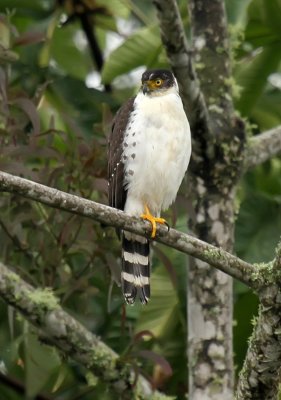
236	38
266	272
200	66
13	277
278	249
235	88
91	379
219	49
211	254
212	100
215	108
44	297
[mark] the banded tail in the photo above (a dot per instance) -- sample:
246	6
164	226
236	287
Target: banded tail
135	268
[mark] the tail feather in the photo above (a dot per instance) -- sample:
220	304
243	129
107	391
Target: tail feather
135	268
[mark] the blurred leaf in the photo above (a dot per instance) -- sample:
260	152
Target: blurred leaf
30	37
258	228
118	8
266	112
237	11
272	11
242	330
160	315
69	52
79	111
40	363
29	108
253	76
140	335
157	359
29	6
141	48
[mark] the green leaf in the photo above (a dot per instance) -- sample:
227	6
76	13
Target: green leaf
252	76
118	8
28	7
258	227
237	11
160	315
272	13
243	316
266	113
41	362
142	48
65	51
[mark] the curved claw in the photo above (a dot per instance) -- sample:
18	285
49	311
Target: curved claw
149	217
167	225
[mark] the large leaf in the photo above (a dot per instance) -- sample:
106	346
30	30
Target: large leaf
243	317
28	7
266	113
65	49
258	227
161	314
237	11
252	76
41	362
118	8
272	12
142	48
261	52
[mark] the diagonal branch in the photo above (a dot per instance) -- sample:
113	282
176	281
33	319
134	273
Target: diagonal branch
60	329
262	147
217	257
178	52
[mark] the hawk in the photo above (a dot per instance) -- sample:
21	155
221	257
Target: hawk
148	154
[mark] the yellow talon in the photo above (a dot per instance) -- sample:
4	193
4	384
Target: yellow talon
149	217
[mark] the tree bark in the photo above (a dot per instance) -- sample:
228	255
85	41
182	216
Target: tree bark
260	375
216	166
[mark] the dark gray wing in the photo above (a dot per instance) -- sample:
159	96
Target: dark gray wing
115	171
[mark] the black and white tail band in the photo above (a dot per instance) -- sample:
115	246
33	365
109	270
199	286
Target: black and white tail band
135	268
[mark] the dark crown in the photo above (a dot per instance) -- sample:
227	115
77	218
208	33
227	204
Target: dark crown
152	74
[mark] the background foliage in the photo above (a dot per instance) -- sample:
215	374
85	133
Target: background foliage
59	86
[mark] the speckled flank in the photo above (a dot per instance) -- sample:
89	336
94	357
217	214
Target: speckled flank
156	152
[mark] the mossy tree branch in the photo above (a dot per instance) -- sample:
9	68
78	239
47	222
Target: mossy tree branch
60	329
263	147
190	245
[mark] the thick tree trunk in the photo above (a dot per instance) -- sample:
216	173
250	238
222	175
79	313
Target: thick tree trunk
216	165
209	298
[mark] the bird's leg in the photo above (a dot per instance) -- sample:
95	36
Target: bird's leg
149	217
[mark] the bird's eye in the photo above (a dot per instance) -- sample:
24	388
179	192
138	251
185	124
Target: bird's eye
158	82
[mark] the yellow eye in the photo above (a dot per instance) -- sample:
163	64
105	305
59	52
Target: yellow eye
158	82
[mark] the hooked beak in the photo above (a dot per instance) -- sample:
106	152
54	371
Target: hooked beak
145	88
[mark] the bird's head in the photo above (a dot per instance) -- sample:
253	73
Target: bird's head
158	82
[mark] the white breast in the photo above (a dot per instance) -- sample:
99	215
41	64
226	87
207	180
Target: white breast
156	152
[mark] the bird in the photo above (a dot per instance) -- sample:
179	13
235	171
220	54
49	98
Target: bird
149	150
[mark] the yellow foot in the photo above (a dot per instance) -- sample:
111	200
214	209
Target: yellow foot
149	217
